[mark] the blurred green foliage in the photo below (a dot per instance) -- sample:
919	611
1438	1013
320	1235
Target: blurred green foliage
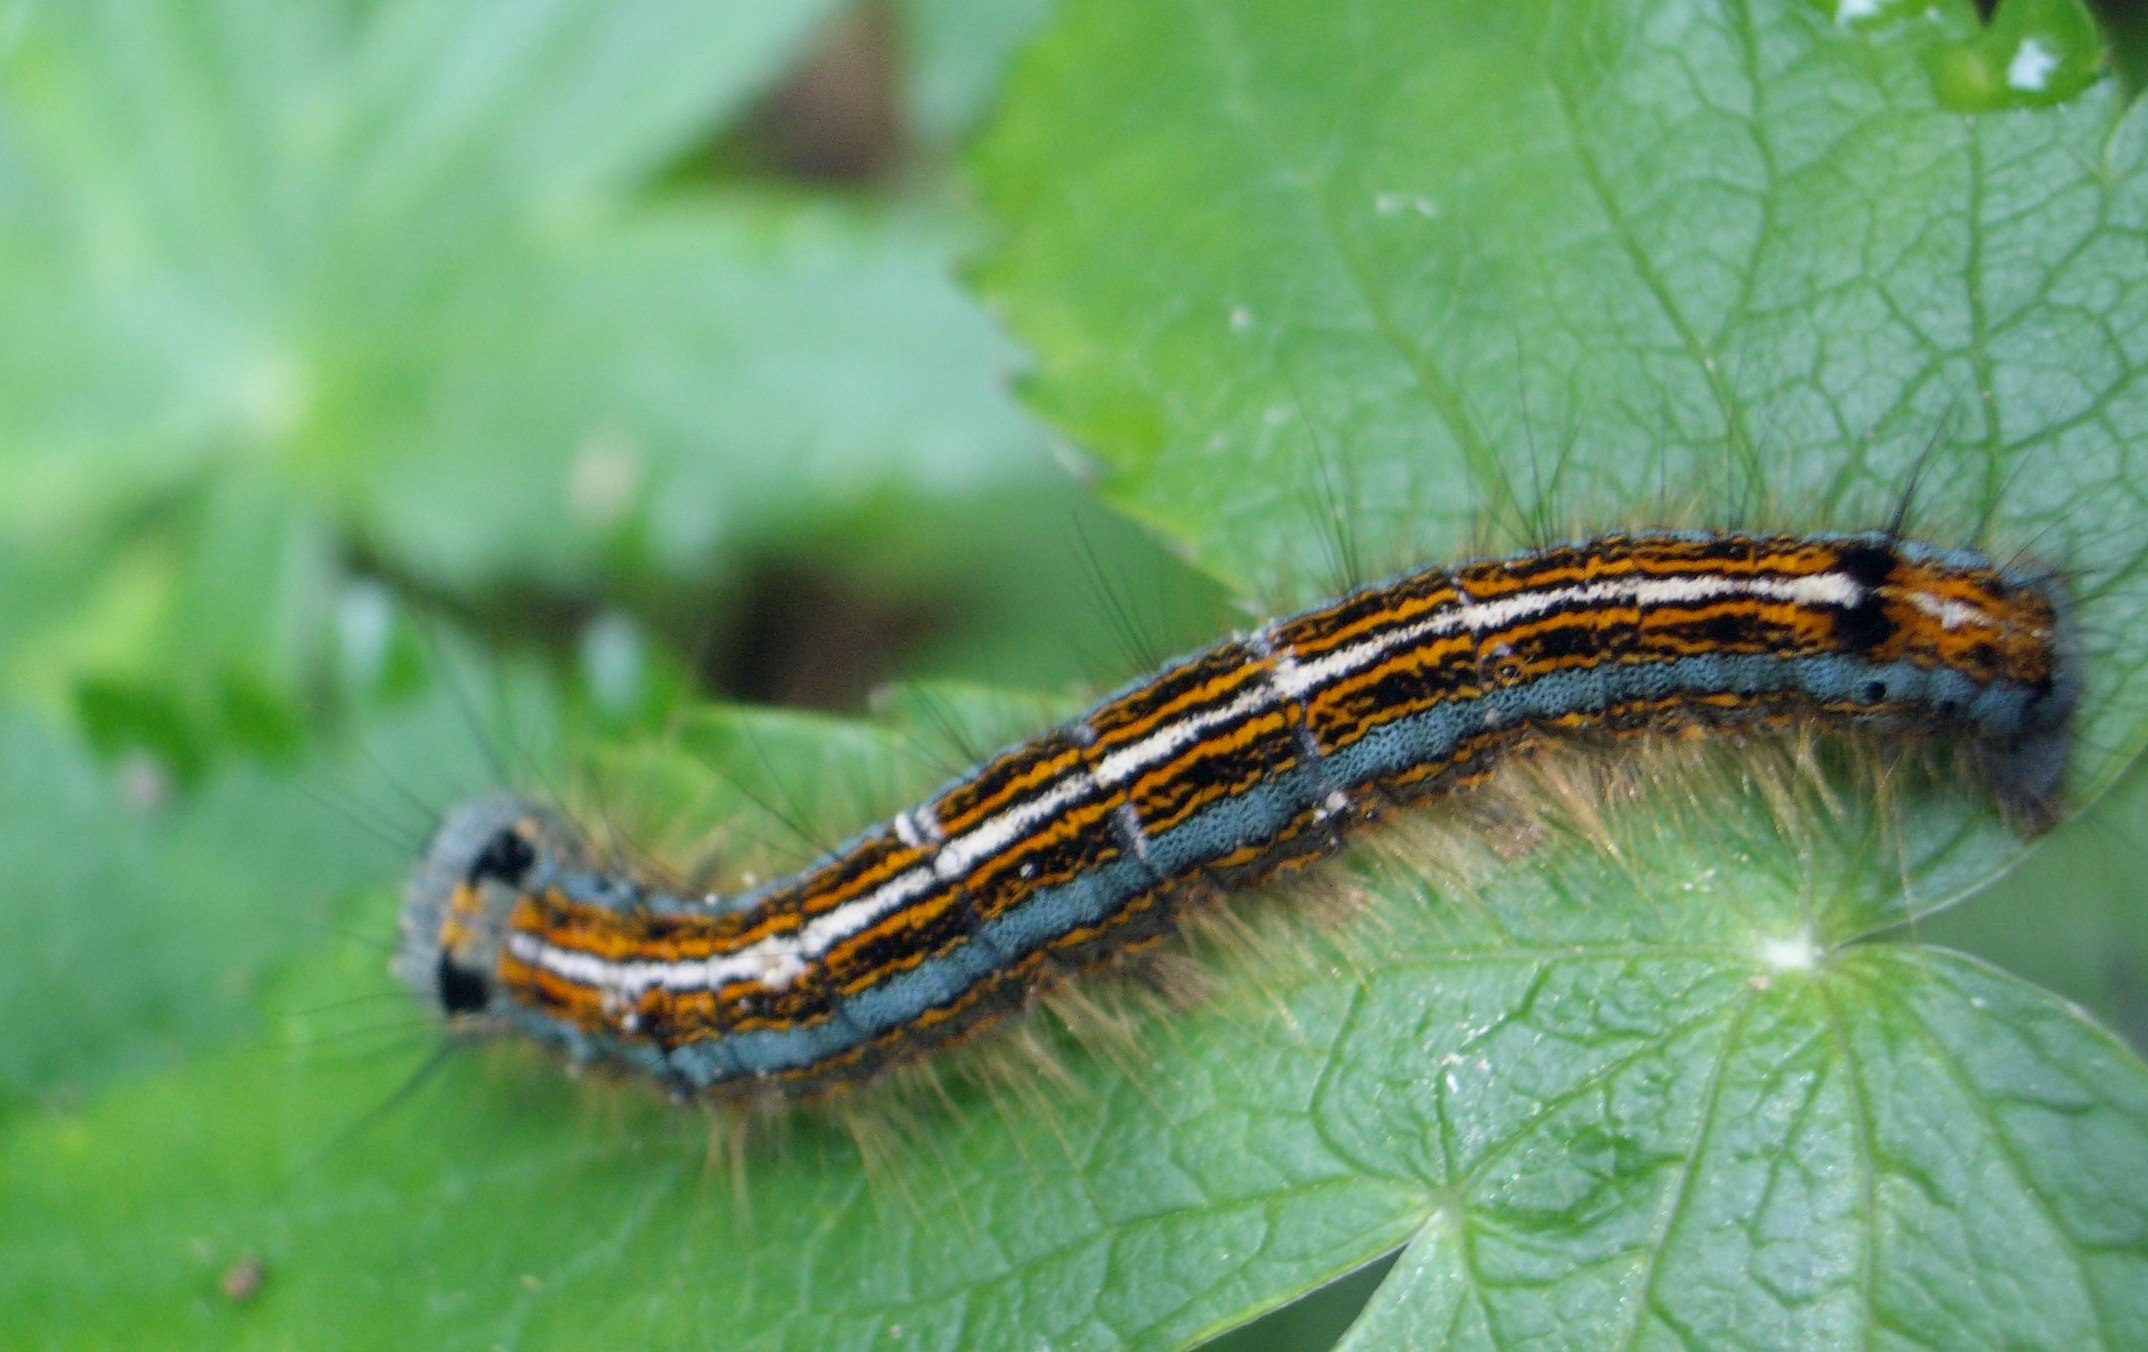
390	389
434	294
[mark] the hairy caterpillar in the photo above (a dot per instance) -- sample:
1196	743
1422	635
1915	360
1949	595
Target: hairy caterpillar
1210	776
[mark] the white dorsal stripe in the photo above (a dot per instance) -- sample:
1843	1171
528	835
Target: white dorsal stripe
1300	678
782	956
1123	765
959	855
779	960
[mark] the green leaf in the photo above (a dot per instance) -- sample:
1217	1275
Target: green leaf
1912	1145
286	284
1544	268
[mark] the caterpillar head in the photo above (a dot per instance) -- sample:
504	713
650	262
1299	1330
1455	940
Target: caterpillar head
456	906
2006	637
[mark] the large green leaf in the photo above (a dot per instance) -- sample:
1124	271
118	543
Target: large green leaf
1541	267
1675	1091
1645	1094
1490	271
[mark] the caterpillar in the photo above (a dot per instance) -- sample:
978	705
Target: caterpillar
1265	752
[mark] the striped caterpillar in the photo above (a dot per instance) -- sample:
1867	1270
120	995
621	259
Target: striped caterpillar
1267	751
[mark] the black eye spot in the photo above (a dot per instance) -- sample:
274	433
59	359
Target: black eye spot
506	857
1875	691
462	991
